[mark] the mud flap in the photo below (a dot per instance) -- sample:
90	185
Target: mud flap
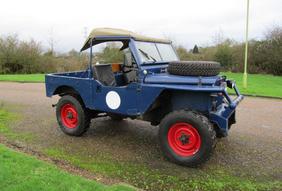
232	120
221	123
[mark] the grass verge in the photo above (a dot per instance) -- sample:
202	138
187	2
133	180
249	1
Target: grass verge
216	178
5	119
258	84
22	77
19	171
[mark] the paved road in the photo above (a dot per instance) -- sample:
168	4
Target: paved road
253	146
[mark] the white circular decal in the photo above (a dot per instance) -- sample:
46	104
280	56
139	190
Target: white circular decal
113	100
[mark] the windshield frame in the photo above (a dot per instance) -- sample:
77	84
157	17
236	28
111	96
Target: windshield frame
153	60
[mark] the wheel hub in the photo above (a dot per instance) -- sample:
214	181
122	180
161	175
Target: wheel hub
69	116
184	139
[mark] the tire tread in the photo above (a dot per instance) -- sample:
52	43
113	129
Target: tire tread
206	123
194	68
87	115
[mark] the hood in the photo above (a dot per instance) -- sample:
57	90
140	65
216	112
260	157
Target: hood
165	78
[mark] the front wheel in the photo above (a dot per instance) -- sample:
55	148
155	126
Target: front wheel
186	138
73	118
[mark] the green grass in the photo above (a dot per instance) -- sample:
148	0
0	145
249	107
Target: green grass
5	119
22	77
217	178
19	171
258	84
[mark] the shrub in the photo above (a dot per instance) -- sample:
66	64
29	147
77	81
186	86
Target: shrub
265	56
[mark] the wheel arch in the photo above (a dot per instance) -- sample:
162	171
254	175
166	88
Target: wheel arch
68	90
160	107
62	90
176	99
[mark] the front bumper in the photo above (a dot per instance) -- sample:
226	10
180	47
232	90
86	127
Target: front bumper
224	116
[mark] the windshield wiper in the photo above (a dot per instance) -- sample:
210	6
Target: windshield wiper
147	55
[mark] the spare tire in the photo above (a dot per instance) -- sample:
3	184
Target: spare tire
194	68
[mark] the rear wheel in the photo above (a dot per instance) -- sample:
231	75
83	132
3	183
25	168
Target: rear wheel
186	138
73	118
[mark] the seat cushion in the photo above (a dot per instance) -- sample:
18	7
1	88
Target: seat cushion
104	74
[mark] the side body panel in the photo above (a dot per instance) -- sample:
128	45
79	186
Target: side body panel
197	101
134	100
81	85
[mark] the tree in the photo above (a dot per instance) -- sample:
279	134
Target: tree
19	56
224	54
51	42
182	53
110	54
268	52
195	50
9	54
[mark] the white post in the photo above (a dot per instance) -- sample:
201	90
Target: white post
245	76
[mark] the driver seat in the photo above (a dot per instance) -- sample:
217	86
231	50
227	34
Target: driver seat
130	74
104	74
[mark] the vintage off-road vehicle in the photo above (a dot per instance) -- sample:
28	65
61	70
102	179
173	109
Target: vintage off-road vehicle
187	99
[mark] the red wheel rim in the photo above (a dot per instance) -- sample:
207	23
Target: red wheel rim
69	116
184	139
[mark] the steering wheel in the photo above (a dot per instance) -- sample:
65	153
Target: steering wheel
123	67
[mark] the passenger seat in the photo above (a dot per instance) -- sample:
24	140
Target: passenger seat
104	74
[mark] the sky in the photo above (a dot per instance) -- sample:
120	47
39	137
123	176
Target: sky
186	22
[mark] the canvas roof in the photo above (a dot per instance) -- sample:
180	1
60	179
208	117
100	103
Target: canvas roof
111	32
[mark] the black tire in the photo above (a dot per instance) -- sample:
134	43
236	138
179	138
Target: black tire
200	124
116	117
83	118
194	68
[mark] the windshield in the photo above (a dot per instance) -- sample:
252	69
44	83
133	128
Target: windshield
150	52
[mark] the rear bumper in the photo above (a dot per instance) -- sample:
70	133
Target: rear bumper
224	116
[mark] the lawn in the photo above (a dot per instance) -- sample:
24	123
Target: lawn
22	77
258	84
19	171
215	179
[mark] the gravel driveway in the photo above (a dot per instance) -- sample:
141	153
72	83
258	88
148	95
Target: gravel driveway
253	148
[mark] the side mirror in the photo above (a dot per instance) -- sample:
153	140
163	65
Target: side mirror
128	59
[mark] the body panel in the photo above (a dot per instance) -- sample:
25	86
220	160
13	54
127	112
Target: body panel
165	78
